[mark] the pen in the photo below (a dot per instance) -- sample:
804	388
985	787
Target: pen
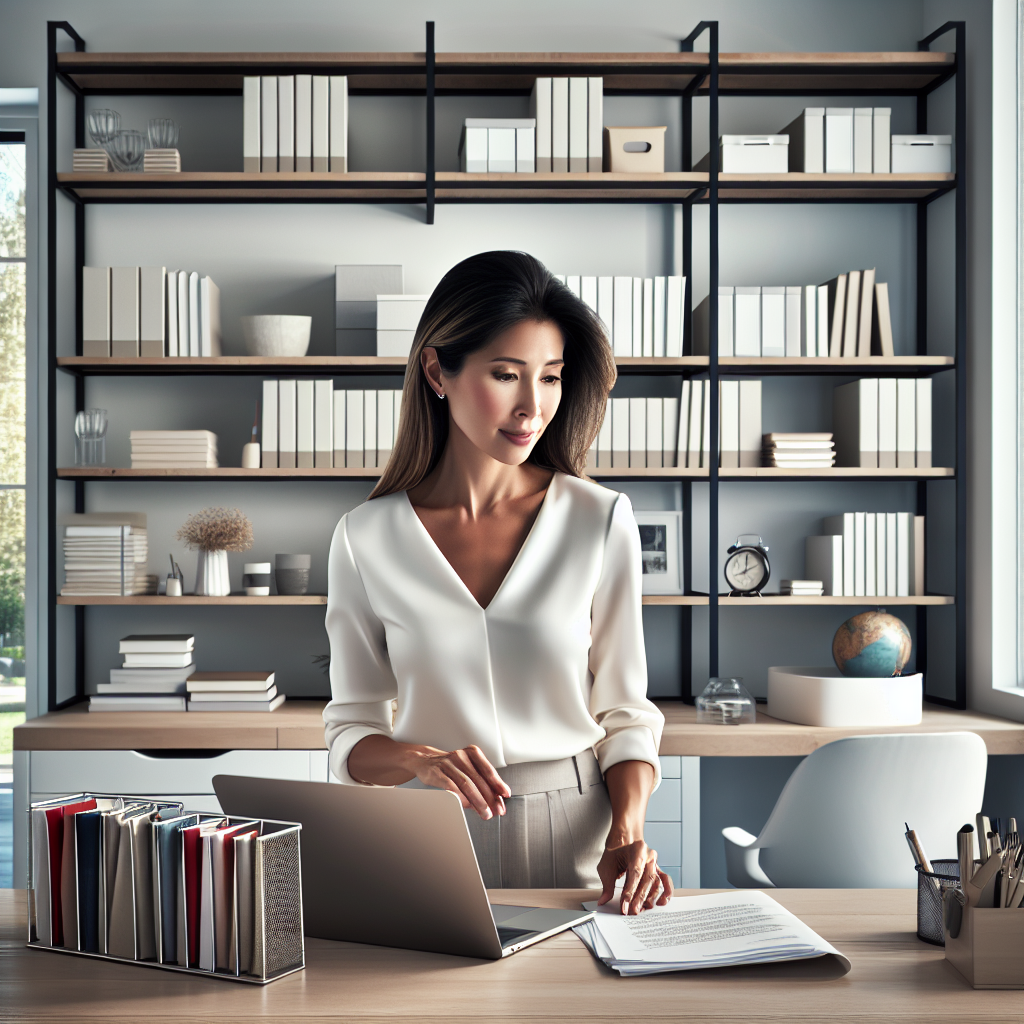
917	850
965	853
984	827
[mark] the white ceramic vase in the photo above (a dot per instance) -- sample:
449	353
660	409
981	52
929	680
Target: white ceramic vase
212	574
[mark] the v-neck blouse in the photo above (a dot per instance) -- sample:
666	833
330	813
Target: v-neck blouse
553	665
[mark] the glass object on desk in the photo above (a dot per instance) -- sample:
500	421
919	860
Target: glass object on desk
103	125
162	133
91	437
725	701
126	149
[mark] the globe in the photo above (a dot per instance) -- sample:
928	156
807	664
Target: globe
871	645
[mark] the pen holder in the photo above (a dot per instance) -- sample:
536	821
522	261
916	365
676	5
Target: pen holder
988	952
931	888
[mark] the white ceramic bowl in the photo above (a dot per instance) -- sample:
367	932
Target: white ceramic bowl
276	335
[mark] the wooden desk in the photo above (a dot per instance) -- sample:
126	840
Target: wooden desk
297	725
895	977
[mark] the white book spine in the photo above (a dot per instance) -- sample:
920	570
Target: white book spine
906	422
339	427
540	109
814	140
750	422
747	322
637	433
525	157
304	424
887	414
655	425
578	126
842	525
321	123
194	338
588	291
172	313
729	419
924	422
251	147
560	124
474	150
286	424
268	435
637	332
606	306
773	321
880	555
96	311
904	543
891	555
595	123
184	316
917	564
286	123
385	425
604	438
881	145
824	561
726	320
870	533
369	428
354	429
859	560
838	140
209	321
683	428
862	134
323	424
648	317
659	313
822	320
705	439
268	133
674	316
809	324
303	122
338	130
695	424
620	433
794	320
622	330
669	431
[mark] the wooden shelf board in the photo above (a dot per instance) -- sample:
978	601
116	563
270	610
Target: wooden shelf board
827	365
773	600
796	185
220	473
836	473
159	600
693	600
636	473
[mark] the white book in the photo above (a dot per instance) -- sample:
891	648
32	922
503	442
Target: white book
304	424
251	124
747	322
286	424
824	561
809	322
750	422
560	124
194	313
323	424
385	425
172	312
859	555
794	320
694	426
843	526
647	301
838	140
588	291
622	328
579	129
572	282
321	123
655	438
705	438
370	428
338	129
501	150
867	305
887	413
880	555
209	318
891	555
152	311
659	314
604	438
525	156
268	133
773	321
637	331
726	318
124	312
822	320
906	422
339	428
303	122
286	123
540	110
637	433
870	561
620	433
606	306
807	141
268	435
855	423
595	123
669	431
881	140
917	557
924	422
96	311
473	150
852	319
729	420
354	448
862	139
184	316
904	548
675	302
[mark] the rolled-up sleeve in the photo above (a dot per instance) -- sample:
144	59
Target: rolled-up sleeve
618	661
362	681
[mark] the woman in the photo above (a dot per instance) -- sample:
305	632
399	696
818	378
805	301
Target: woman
496	594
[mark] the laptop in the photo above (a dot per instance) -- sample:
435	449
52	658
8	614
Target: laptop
391	867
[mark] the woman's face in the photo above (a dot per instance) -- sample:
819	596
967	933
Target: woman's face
508	391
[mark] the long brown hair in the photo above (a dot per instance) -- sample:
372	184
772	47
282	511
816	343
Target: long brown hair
477	300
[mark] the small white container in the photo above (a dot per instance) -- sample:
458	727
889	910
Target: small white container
400	312
276	336
754	154
824	697
922	154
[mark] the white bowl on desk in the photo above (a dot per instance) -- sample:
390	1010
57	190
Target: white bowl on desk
825	697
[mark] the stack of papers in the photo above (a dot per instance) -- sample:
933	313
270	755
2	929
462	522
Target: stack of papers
798	451
106	559
174	449
87	161
693	932
162	161
802	588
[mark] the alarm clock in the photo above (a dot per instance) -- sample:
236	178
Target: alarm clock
746	567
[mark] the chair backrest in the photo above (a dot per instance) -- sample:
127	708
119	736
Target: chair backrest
839	821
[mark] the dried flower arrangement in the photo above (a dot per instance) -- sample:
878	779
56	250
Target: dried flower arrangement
217	529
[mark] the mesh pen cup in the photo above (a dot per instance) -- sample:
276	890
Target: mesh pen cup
931	888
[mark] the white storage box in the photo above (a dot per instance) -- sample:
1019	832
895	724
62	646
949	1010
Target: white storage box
395	343
400	312
822	696
922	154
754	154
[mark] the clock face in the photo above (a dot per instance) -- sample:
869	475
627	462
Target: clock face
746	570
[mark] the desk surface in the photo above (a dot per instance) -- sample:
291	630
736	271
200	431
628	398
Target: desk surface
297	725
895	976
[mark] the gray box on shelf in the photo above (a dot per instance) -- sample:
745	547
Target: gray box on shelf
356	287
291	573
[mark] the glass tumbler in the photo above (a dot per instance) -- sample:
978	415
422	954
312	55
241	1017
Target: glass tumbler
162	133
127	148
103	124
91	437
725	701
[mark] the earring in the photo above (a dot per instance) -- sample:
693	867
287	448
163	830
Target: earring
440	395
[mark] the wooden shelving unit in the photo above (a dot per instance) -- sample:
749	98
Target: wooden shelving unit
192	600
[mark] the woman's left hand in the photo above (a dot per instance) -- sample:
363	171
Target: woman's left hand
646	884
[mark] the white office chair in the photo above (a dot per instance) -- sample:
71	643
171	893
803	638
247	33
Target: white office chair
839	821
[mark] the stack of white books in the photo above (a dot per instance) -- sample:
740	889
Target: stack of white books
153	676
841	140
173	449
88	161
233	691
884	422
798	451
104	556
161	161
570	123
802	588
498	144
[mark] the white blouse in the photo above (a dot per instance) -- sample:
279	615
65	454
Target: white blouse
553	665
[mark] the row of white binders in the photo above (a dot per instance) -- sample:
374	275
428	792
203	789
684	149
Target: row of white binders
642	316
307	424
499	144
869	554
149	311
847	316
295	123
883	422
840	140
570	123
147	881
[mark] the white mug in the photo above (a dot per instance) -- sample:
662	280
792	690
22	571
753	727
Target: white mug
251	456
173	586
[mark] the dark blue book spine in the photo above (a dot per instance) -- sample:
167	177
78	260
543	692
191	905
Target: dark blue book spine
87	826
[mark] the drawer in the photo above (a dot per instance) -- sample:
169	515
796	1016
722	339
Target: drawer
664	804
129	771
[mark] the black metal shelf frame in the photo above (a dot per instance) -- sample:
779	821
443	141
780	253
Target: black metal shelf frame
703	85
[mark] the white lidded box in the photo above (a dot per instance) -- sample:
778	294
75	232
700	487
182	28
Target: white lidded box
922	154
754	154
635	150
824	697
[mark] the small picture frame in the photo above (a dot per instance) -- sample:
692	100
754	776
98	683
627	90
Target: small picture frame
661	551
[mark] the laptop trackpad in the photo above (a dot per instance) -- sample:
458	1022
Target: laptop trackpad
533	919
